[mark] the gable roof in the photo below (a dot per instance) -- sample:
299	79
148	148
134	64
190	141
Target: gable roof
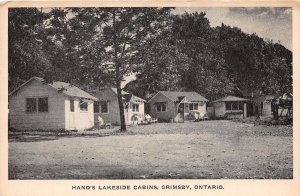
178	96
230	98
66	89
264	98
126	96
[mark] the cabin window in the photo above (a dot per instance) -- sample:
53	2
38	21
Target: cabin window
161	107
228	106
39	104
104	107
31	105
235	106
193	106
43	104
96	107
71	105
135	107
83	106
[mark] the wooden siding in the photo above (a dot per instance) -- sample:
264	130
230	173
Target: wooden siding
220	109
163	116
113	114
58	116
53	119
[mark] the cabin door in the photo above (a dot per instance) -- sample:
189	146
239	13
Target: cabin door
72	115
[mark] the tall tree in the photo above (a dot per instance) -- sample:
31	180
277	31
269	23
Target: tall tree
107	42
205	74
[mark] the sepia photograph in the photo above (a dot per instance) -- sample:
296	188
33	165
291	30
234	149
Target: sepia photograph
100	93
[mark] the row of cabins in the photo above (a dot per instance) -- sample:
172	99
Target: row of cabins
59	105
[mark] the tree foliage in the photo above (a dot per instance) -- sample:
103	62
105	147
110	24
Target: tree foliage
94	47
26	56
220	61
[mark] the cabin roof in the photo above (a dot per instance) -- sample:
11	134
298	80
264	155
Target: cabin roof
264	98
177	96
131	97
64	87
125	95
230	99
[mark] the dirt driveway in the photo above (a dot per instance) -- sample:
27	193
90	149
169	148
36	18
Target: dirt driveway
204	150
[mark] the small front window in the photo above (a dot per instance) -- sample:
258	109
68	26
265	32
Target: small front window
228	106
104	107
135	107
31	105
39	104
83	106
235	106
161	107
193	106
43	104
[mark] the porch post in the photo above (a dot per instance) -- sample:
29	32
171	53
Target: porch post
183	111
245	110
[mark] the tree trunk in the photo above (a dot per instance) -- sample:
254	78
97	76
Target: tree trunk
121	107
118	79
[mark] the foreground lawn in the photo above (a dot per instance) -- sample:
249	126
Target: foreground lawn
206	150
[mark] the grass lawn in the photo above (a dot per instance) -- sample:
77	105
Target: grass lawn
203	150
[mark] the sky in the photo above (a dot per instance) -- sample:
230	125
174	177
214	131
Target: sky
270	23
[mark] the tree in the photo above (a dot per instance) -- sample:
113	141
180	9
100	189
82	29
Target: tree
26	56
107	42
161	66
92	47
196	39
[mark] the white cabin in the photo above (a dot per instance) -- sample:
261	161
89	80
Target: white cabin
36	105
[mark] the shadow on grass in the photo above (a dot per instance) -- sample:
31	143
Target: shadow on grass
48	136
